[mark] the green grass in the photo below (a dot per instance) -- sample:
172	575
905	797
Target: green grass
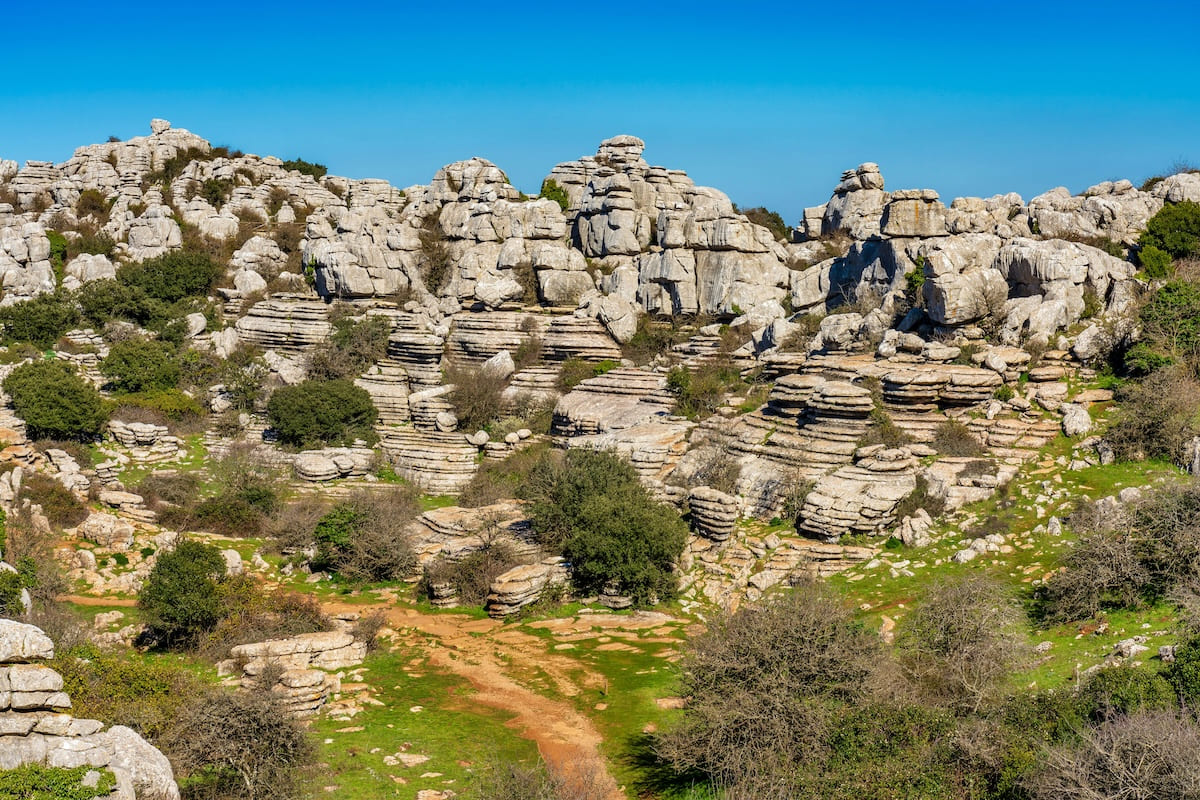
456	733
877	593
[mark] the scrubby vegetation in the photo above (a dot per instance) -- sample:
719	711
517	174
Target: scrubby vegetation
54	401
590	506
320	412
364	539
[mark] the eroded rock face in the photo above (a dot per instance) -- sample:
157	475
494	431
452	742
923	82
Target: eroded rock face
35	727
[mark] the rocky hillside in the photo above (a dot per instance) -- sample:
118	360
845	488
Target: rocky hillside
204	344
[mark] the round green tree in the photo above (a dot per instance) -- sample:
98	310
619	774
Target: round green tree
591	506
172	276
54	401
315	413
181	597
139	365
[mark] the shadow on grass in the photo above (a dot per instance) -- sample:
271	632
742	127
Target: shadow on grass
657	778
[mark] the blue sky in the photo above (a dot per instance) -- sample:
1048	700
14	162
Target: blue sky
766	101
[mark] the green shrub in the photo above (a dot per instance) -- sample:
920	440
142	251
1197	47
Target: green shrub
699	392
180	598
120	688
58	254
1184	673
172	276
953	438
171	405
591	506
11	586
1154	262
139	365
575	371
108	299
60	505
92	202
322	412
652	339
37	782
1125	690
352	347
92	243
364	539
769	220
54	401
215	191
41	320
1171	323
317	171
552	191
1175	230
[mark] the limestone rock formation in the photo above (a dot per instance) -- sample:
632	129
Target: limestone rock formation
35	727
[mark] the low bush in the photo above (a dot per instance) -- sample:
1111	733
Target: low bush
700	391
247	614
476	396
769	220
962	642
38	782
435	255
1156	417
1154	262
1151	553
54	401
1175	230
575	371
40	321
472	575
498	480
364	539
316	413
60	505
167	407
140	365
317	171
921	498
176	488
352	347
953	438
239	745
653	338
120	689
172	276
590	506
552	191
1170	322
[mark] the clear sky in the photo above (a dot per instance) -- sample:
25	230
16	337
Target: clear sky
766	101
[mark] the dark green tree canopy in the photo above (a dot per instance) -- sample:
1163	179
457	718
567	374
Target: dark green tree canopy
172	276
591	506
54	401
315	413
139	365
1175	229
181	597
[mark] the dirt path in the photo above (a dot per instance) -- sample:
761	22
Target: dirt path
490	657
84	600
495	659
